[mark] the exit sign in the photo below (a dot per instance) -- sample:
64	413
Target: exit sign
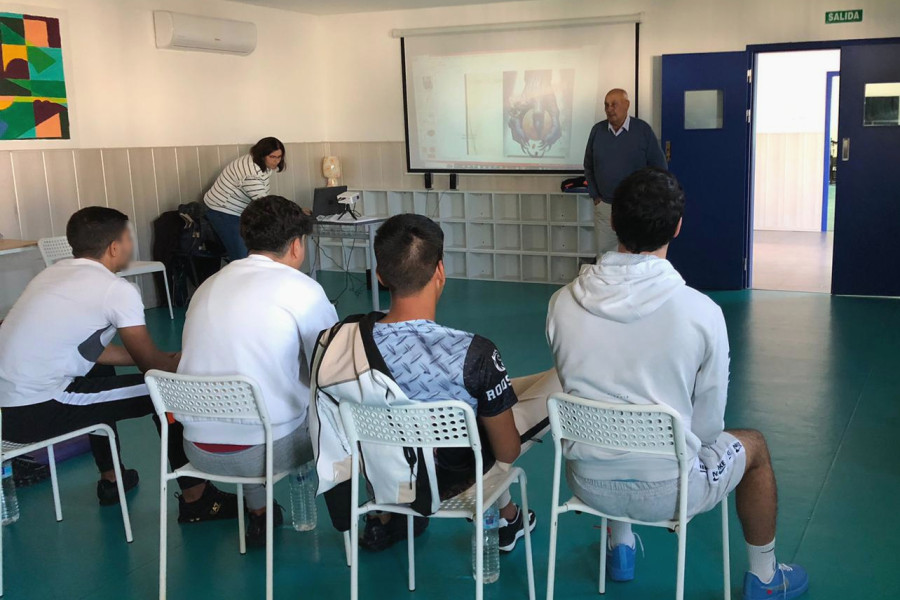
843	16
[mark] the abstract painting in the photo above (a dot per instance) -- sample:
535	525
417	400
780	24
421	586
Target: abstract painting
33	101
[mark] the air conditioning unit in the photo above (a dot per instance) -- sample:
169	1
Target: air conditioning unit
177	31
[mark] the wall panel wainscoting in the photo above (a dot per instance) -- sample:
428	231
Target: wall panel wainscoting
512	214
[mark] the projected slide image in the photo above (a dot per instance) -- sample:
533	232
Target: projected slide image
537	112
514	101
484	114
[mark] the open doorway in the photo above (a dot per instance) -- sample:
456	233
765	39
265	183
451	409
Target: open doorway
794	157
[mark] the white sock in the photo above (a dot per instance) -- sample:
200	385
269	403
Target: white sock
620	533
762	561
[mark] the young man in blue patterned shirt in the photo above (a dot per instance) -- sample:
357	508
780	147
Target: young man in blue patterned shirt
431	362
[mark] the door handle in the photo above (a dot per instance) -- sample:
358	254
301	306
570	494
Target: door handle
845	149
668	151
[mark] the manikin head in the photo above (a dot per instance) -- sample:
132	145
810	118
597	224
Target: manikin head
646	212
409	250
276	227
616	105
101	234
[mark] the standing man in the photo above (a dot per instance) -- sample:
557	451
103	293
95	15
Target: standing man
616	148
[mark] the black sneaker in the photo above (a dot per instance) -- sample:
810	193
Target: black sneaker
256	526
379	536
214	505
108	491
26	471
511	531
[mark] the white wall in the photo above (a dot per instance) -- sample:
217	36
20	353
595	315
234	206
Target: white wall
364	86
125	92
790	90
790	139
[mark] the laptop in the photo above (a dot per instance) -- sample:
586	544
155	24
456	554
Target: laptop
325	201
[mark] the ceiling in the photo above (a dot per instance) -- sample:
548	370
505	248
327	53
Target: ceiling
333	7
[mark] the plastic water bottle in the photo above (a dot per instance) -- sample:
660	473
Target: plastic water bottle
10	502
303	497
491	565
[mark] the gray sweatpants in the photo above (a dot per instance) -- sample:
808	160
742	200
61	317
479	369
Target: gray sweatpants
288	453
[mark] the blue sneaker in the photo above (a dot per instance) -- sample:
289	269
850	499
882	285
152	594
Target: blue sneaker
790	581
620	563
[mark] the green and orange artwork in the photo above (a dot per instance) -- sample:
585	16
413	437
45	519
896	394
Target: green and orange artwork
33	102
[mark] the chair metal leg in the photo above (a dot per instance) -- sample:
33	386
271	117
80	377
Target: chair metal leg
726	550
242	528
163	550
270	540
604	523
354	556
347	550
411	551
682	548
551	561
529	558
479	554
54	482
554	519
117	468
168	294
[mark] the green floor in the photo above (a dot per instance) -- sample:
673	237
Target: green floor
819	375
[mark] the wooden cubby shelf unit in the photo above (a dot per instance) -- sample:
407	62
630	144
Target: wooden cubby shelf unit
540	238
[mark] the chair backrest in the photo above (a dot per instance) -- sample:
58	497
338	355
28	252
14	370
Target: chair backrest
646	429
227	398
54	249
446	424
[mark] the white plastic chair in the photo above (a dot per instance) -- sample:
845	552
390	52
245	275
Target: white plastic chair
654	430
431	425
55	249
11	450
229	398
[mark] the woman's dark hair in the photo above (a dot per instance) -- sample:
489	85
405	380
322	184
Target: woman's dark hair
271	223
408	249
92	229
265	147
646	209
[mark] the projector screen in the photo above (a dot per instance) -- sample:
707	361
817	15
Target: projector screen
522	100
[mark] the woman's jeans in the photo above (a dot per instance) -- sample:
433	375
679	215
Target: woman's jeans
228	228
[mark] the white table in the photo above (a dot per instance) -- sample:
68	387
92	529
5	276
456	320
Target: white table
361	228
15	246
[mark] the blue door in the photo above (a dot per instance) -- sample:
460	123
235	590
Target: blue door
867	211
705	136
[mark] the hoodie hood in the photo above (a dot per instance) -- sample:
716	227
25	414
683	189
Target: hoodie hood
626	287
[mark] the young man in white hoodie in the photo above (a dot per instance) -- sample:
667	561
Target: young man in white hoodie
258	317
628	329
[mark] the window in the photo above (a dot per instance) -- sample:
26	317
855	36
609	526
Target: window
703	109
882	105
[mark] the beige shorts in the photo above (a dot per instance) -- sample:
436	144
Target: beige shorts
718	470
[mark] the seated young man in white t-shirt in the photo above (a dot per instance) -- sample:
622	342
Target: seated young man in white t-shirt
628	329
56	359
258	317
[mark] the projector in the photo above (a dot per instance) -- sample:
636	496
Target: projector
348	198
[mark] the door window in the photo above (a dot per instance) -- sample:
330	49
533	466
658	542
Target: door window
703	109
882	105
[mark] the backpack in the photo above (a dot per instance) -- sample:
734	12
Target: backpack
185	242
347	367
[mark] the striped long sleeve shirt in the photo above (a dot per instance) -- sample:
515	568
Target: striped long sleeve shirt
240	182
